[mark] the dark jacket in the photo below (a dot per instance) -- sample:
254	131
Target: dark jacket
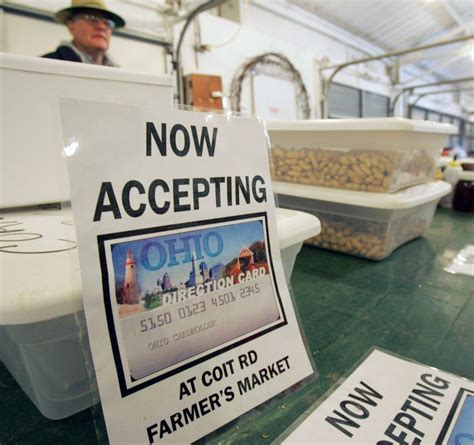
63	53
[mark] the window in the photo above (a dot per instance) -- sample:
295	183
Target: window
434	116
469	144
464	136
343	101
469	137
417	113
455	139
469	129
347	102
374	105
457	123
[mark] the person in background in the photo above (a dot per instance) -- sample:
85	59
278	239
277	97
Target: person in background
90	24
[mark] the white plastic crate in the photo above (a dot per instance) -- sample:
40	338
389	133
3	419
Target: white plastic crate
380	155
369	225
41	316
30	127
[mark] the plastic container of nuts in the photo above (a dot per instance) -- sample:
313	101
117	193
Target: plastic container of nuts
381	155
368	225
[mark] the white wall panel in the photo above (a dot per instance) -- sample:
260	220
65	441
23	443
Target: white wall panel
264	31
225	61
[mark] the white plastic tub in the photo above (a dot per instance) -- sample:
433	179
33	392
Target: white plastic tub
369	225
31	143
41	317
379	155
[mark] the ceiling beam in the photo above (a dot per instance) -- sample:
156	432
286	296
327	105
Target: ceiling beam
450	8
298	14
437	92
432	70
434	55
460	27
412	88
446	33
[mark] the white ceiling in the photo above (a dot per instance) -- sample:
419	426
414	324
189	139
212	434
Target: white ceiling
399	24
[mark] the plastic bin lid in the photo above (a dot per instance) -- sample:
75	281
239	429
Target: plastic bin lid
60	67
364	124
39	266
404	199
466	175
294	227
41	275
467	163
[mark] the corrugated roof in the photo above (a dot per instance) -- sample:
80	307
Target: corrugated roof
396	25
388	24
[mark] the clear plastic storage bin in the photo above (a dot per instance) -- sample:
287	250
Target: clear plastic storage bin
369	225
375	155
43	336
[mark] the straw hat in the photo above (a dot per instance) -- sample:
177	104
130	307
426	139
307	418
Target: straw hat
76	5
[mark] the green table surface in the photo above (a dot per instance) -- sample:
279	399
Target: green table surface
406	304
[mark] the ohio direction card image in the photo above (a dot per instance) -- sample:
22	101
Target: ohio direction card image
175	295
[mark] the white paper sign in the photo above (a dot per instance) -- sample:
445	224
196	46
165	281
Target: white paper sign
189	316
388	401
464	262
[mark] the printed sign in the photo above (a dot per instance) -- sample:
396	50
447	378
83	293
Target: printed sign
388	401
187	307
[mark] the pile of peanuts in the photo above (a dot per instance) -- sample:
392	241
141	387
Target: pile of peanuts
346	235
368	239
362	170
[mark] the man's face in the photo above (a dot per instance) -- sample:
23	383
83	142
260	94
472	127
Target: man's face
90	32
